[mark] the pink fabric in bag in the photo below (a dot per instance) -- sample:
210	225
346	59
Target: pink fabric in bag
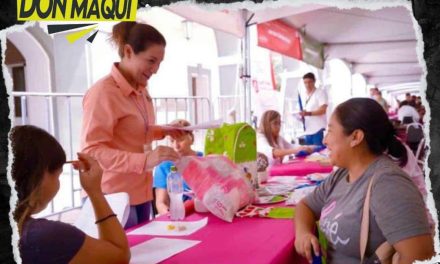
218	183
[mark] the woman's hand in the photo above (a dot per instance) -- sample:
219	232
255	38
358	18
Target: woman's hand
90	173
308	149
304	245
158	155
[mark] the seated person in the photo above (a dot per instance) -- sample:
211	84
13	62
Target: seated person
182	145
412	168
406	110
38	164
359	132
271	143
422	112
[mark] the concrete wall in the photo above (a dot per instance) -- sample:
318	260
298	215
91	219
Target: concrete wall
37	75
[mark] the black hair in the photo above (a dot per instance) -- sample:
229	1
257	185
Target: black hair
368	115
309	76
35	152
404	102
138	35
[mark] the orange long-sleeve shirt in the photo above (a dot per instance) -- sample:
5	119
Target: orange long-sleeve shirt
114	132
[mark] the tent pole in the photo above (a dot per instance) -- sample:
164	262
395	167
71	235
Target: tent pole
243	80
246	71
248	83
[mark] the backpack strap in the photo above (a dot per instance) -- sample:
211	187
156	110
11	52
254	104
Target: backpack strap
365	221
385	251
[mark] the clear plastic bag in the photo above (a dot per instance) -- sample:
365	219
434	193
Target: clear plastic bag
218	183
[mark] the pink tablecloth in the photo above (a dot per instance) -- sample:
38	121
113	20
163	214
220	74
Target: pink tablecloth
246	240
299	168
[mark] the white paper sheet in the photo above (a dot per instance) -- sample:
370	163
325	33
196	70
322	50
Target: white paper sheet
205	125
162	228
159	249
299	194
119	202
290	180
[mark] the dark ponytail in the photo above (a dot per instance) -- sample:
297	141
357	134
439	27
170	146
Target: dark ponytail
35	152
368	115
397	150
139	36
120	34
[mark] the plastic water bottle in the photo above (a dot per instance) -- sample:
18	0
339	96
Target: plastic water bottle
175	192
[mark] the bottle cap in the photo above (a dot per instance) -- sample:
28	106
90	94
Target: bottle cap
173	168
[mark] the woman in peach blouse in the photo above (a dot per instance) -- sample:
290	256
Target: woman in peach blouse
119	120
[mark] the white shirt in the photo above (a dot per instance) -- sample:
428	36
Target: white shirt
407	110
312	103
264	147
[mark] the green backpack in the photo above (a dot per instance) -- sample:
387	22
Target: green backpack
238	142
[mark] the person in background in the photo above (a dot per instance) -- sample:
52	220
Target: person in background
406	110
359	133
271	143
422	112
373	92
378	97
418	102
408	98
314	113
412	168
38	164
119	120
182	145
414	100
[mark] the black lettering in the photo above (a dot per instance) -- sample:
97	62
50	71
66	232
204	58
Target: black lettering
78	9
122	14
61	6
108	12
45	14
27	13
94	9
128	8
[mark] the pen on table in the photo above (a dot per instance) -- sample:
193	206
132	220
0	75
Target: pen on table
303	186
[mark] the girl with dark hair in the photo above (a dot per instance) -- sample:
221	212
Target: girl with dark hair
38	163
359	132
119	119
271	143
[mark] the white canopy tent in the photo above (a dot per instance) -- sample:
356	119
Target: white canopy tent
379	44
236	22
